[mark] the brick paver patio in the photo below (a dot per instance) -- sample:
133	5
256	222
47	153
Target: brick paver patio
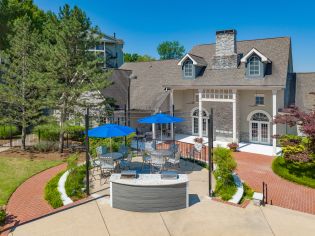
28	202
255	168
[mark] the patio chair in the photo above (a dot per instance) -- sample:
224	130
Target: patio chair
124	164
124	150
173	161
107	166
101	150
173	147
95	164
157	162
146	159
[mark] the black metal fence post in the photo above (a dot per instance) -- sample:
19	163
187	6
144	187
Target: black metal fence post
125	111
210	149
87	156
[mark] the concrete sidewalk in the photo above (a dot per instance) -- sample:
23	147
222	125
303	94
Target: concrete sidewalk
204	218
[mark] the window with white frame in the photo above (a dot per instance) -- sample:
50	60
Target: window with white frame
213	94
259	99
188	69
254	66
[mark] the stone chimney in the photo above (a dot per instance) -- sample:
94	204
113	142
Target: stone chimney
225	50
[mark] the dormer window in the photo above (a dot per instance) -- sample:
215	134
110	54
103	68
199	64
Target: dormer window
257	65
188	69
254	66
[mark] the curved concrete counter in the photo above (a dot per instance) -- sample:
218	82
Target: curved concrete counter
149	193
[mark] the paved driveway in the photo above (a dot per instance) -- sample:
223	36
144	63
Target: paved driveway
255	168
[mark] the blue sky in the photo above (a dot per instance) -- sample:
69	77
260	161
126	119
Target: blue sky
143	24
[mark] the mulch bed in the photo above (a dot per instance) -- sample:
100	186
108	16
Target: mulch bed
29	154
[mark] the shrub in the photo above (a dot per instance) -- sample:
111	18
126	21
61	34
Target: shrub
75	183
46	146
2	215
233	146
225	186
72	161
75	132
5	131
52	194
48	132
301	173
289	140
248	193
225	189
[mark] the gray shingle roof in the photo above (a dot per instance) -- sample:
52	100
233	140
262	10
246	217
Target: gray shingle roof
305	84
200	60
119	87
153	76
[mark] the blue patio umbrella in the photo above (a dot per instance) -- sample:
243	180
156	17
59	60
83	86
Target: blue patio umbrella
110	131
160	118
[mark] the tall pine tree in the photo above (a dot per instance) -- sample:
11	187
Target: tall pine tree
23	89
73	69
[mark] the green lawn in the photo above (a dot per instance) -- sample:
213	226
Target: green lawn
14	171
300	173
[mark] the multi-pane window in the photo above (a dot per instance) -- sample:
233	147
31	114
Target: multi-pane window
217	94
254	66
188	69
260	100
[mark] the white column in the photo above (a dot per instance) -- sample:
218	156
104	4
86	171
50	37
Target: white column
200	114
234	115
171	111
274	126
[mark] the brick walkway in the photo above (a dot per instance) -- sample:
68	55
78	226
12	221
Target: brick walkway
255	168
28	202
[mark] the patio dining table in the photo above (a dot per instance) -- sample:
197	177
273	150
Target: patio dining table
116	156
161	152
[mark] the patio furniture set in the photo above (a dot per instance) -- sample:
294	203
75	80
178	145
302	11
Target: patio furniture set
111	162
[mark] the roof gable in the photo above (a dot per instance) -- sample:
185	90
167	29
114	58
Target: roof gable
255	51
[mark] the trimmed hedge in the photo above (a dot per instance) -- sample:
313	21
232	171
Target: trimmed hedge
301	173
5	131
52	194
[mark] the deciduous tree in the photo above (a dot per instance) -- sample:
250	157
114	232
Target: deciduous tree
170	50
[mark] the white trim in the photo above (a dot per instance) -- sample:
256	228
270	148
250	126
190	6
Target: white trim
184	58
274	126
259	139
200	120
259	111
197	117
234	115
255	51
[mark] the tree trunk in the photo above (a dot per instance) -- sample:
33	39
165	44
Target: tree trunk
61	141
23	138
61	134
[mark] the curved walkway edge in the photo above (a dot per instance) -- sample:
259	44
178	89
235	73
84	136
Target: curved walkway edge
255	169
28	202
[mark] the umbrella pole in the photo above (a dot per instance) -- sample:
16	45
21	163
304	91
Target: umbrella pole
110	144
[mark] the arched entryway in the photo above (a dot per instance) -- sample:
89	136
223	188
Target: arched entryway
195	121
259	127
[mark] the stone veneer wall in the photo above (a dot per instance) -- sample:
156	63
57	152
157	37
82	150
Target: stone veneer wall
225	50
223	119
